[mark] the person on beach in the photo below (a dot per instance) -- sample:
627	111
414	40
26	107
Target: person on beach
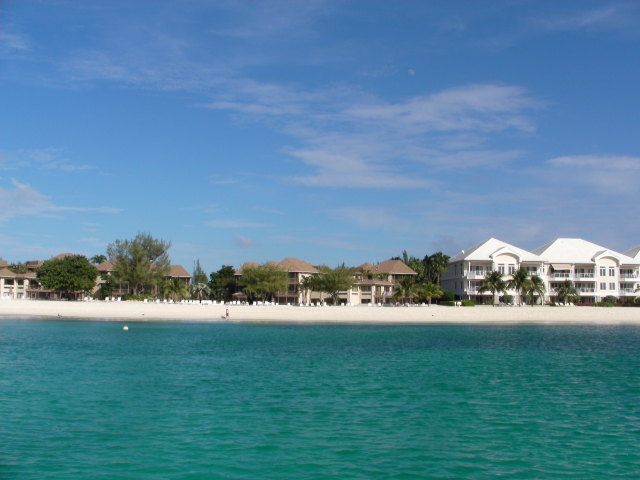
227	314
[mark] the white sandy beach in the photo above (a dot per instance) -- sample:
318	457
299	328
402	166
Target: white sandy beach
139	311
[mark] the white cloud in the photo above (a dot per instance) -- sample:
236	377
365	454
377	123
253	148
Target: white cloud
610	174
14	41
236	224
611	17
243	241
46	158
25	200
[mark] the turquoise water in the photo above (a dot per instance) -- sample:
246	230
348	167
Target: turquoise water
193	400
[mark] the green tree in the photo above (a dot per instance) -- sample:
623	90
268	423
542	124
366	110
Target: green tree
265	280
493	283
199	275
174	289
567	292
18	268
434	265
66	275
535	287
413	263
332	281
200	290
108	285
307	284
222	283
98	259
141	261
429	291
519	282
406	289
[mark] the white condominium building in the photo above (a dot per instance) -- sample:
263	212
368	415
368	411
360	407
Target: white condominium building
468	269
596	272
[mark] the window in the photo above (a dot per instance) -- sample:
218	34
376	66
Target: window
512	269
612	271
456	286
603	286
612	286
501	268
366	289
603	272
354	289
456	270
20	282
8	281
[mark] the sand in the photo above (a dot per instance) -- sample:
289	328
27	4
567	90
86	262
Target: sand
139	311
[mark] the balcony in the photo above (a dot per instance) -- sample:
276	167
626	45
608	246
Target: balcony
477	274
586	290
562	276
471	290
627	290
585	275
628	275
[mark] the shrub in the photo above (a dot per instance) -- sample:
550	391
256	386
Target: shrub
610	299
603	304
448	303
508	299
468	303
447	296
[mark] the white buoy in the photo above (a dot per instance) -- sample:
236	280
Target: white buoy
125	328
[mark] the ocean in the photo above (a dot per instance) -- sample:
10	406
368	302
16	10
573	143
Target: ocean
85	399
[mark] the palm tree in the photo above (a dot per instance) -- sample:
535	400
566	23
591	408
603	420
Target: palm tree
518	282
493	283
429	291
306	285
535	286
406	288
174	289
434	266
567	292
199	289
636	291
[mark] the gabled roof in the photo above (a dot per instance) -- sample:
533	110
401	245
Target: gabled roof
107	265
364	267
633	253
4	263
34	263
6	273
486	251
178	271
62	255
393	267
294	265
246	264
579	251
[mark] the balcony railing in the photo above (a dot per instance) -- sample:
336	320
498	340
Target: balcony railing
627	290
560	275
471	289
628	275
477	274
586	290
585	275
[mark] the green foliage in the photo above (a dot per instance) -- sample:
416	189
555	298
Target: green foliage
108	286
567	292
407	288
468	303
519	282
222	283
18	268
332	281
447	296
535	286
141	261
493	283
508	299
199	275
603	304
69	274
98	259
610	299
174	289
200	291
429	291
139	298
264	281
448	303
434	265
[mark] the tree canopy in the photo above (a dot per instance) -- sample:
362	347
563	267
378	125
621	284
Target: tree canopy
199	275
69	274
141	261
332	281
98	259
265	280
222	283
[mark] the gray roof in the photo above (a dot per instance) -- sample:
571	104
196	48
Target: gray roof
579	251
486	250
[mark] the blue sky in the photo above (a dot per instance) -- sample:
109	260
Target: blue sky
326	131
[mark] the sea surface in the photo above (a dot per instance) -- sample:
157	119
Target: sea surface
254	401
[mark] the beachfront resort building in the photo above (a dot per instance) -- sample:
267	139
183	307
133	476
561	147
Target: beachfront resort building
596	272
106	267
373	283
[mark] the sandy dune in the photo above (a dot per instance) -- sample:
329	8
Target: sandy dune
480	314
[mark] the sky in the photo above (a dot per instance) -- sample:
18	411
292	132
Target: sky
327	131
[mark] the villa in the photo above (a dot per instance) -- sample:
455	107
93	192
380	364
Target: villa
596	272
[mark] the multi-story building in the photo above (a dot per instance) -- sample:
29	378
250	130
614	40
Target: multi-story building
106	267
469	268
15	285
596	272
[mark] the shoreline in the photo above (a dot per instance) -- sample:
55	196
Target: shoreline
141	312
